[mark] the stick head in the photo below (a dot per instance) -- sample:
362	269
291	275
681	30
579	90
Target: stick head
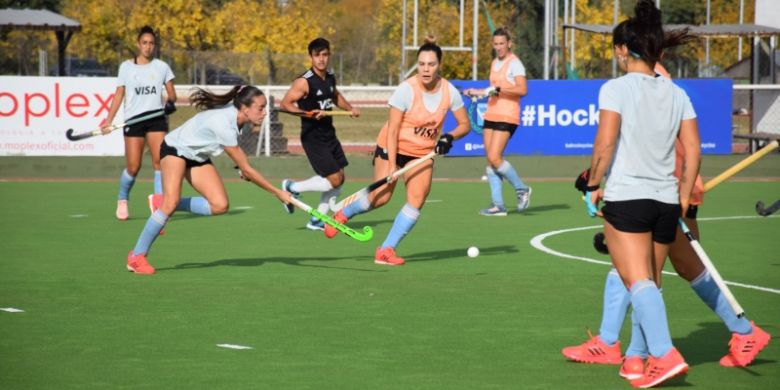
76	137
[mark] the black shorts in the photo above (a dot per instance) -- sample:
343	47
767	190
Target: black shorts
500	126
401	159
140	129
644	215
325	155
166	150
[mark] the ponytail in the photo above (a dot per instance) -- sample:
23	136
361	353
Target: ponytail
644	35
241	95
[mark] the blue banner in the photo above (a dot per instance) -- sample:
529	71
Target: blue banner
560	117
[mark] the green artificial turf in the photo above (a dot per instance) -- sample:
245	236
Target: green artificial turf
319	314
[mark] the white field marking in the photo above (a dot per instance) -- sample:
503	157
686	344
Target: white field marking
11	310
536	242
242	208
233	346
79	215
434	200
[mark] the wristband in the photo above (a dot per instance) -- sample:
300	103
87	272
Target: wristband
592	188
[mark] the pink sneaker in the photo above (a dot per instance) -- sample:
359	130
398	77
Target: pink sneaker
659	370
633	367
121	210
594	351
744	348
387	256
330	231
139	264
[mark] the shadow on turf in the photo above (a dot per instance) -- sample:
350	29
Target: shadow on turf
708	344
548	207
256	262
461	252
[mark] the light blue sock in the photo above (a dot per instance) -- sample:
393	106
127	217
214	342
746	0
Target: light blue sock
196	205
494	180
616	301
651	311
508	172
125	185
709	292
638	344
359	206
157	182
404	222
154	224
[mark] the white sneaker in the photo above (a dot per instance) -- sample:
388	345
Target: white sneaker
523	199
315	224
494	211
121	210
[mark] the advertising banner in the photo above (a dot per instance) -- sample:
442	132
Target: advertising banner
35	113
560	117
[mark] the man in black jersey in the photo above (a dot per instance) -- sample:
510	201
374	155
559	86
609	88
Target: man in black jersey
315	91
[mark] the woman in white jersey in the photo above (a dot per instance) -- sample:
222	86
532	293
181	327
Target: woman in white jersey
507	86
417	110
186	154
641	115
140	86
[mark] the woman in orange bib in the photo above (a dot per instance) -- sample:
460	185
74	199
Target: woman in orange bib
417	110
507	86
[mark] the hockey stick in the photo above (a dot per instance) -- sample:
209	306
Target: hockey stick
366	235
711	268
473	113
78	137
741	165
764	212
363	192
312	114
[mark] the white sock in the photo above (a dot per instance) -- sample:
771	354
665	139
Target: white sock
324	206
314	183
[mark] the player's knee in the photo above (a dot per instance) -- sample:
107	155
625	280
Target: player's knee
133	169
169	204
219	207
336	180
494	161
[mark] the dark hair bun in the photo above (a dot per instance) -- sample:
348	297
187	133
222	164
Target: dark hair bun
647	13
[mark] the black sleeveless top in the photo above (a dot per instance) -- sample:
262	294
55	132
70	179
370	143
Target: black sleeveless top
321	96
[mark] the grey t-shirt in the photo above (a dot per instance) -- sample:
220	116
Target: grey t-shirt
651	109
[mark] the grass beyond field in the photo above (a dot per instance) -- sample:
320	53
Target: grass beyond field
318	313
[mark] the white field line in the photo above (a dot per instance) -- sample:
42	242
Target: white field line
536	242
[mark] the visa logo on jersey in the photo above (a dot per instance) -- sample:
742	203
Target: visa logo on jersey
146	90
426	132
325	104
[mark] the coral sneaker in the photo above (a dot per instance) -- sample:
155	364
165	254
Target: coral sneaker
139	264
633	367
155	201
121	210
744	348
594	351
661	369
330	231
387	256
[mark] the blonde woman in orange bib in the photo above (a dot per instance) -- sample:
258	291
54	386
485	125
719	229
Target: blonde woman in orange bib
507	86
415	128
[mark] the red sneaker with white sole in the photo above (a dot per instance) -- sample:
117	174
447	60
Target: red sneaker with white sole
139	264
633	367
387	256
744	348
330	231
659	370
594	351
